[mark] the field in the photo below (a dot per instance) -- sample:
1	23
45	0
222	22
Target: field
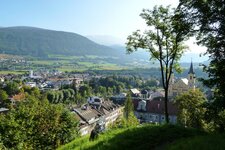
12	72
14	64
18	65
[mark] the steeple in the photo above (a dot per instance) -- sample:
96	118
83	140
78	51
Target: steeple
191	70
191	77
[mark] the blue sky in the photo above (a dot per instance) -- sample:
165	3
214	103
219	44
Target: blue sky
117	18
87	17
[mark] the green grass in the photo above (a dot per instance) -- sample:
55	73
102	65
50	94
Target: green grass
12	72
209	142
139	138
63	57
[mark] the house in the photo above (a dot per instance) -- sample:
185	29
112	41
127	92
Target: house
3	110
2	79
156	94
96	111
77	82
135	92
17	98
182	85
88	117
119	99
145	94
111	111
31	84
153	111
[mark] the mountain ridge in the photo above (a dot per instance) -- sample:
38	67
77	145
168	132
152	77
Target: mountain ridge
38	42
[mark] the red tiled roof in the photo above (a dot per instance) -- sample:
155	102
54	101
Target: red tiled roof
157	107
19	97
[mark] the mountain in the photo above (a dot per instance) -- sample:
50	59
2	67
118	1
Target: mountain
106	40
42	42
144	55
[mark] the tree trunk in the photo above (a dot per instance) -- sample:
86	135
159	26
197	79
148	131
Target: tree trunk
166	107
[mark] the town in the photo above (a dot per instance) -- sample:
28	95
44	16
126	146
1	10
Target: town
94	104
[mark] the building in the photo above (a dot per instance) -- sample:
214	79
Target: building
96	111
3	110
153	111
183	84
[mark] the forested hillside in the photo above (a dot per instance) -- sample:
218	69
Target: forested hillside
42	42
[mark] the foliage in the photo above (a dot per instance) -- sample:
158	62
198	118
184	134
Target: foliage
191	109
208	21
85	91
129	107
131	121
36	124
3	95
12	88
61	96
163	40
33	91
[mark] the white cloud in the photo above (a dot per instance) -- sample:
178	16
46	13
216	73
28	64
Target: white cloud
193	47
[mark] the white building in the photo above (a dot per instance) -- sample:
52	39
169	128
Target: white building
182	85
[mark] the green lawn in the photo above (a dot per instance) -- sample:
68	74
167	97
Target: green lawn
148	137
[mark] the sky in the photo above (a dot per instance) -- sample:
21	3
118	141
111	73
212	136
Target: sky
115	18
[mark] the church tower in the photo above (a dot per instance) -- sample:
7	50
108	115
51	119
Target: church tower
191	77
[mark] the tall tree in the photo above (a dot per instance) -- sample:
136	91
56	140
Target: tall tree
164	40
129	107
208	22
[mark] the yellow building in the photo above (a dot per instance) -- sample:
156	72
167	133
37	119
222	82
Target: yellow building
183	84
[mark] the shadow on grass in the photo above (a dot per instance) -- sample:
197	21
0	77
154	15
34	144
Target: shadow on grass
146	137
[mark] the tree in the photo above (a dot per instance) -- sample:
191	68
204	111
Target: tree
36	124
61	96
208	22
102	90
66	94
85	90
3	95
128	109
191	109
51	96
12	88
164	41
4	101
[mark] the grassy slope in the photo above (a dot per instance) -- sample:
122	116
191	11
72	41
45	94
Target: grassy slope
147	137
209	142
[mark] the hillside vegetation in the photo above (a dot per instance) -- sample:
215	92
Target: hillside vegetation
42	42
150	137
